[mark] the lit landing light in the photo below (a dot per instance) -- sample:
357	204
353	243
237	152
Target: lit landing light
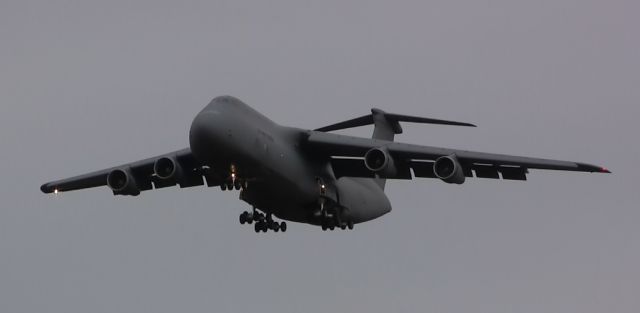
55	191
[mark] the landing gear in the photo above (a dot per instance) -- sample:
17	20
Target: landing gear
262	222
247	217
238	185
328	225
332	217
233	181
260	226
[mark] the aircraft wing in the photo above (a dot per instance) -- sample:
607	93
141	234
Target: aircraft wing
142	175
347	157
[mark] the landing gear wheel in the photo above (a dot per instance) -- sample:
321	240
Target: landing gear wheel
223	187
237	185
265	227
343	226
229	186
243	217
332	227
257	227
350	225
324	227
276	227
283	226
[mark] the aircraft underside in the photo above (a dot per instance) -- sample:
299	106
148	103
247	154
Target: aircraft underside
279	197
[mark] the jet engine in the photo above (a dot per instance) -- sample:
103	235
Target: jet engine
168	168
449	169
122	182
380	162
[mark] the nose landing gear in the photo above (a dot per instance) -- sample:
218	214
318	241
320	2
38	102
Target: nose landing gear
263	222
233	181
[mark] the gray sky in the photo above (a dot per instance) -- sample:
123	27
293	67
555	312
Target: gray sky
89	84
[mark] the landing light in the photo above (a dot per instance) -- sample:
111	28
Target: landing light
55	191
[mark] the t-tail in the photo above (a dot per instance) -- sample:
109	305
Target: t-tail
386	126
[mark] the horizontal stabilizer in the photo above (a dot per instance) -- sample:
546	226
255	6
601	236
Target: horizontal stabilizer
393	119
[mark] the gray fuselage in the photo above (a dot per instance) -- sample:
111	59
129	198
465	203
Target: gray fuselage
282	177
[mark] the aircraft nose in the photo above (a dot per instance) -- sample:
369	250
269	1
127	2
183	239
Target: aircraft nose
201	134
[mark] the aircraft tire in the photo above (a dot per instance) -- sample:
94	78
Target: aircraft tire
283	226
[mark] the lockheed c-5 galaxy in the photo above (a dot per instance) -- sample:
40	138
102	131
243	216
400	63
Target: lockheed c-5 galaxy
307	176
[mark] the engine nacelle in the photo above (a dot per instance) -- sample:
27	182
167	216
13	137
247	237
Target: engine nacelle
168	168
122	182
379	161
449	169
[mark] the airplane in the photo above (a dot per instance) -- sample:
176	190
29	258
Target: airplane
306	176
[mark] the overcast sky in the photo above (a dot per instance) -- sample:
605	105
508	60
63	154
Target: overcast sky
89	84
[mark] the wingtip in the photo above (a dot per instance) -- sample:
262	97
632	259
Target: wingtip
47	188
584	167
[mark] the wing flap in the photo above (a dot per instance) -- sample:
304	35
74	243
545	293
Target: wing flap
513	173
486	171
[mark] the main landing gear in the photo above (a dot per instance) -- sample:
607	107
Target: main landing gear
330	218
330	225
262	222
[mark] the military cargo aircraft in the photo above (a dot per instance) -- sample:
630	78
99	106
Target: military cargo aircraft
307	176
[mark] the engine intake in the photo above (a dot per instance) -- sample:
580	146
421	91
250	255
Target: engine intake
168	168
380	162
122	182
449	169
